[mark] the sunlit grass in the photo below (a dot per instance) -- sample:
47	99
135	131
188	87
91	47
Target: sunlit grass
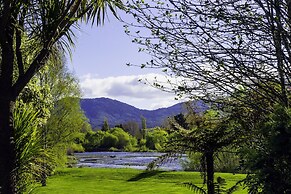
121	181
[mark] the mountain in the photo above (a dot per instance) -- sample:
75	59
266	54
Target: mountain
118	112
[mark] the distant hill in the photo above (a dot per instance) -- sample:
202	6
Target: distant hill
119	113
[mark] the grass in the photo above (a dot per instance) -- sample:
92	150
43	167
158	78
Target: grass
124	181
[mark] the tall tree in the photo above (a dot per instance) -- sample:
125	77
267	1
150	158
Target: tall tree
105	126
132	128
226	51
143	126
214	47
49	25
54	93
206	133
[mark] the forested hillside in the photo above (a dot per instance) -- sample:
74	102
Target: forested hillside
98	109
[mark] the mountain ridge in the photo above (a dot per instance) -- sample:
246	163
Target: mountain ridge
116	112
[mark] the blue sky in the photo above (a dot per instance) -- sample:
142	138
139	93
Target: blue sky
99	61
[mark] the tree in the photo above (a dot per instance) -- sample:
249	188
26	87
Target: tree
92	140
64	126
109	140
214	47
41	26
105	126
143	126
231	53
156	138
274	177
132	128
125	140
207	133
263	136
54	93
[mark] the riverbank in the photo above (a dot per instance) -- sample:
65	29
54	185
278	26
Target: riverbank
124	181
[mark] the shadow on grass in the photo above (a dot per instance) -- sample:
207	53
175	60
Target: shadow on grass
145	174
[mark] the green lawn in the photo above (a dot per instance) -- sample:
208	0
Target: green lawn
121	181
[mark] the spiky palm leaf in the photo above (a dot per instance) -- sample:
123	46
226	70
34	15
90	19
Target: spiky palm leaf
30	156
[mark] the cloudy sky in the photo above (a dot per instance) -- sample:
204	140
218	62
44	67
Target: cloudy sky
99	61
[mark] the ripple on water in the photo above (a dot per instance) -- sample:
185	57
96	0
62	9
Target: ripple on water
136	160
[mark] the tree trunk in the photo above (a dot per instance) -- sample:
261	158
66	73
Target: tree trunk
7	146
209	172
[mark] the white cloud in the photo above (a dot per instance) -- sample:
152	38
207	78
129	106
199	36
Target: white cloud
127	89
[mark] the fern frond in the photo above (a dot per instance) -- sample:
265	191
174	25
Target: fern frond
195	188
161	160
235	187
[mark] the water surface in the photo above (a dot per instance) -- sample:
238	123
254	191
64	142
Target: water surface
136	160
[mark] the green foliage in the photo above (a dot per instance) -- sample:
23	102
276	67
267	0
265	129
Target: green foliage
93	140
114	139
156	138
53	93
193	163
143	123
62	133
121	140
40	97
32	33
105	126
269	160
109	140
133	129
142	145
123	137
207	134
30	153
227	161
64	126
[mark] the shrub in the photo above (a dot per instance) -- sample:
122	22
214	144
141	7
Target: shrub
109	140
125	140
156	138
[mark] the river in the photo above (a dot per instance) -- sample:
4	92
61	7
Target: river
136	160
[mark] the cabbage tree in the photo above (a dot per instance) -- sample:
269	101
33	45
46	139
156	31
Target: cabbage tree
42	27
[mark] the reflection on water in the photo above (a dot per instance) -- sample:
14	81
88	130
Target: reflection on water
137	160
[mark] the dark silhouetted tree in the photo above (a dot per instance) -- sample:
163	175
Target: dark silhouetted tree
105	126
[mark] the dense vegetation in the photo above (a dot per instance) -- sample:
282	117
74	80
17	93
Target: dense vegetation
117	139
33	33
236	56
233	55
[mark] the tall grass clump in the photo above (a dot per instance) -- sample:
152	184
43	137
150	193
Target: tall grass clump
32	160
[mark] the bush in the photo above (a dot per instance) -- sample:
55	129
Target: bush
142	145
115	139
125	140
93	140
193	163
74	148
223	162
156	138
109	140
226	162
